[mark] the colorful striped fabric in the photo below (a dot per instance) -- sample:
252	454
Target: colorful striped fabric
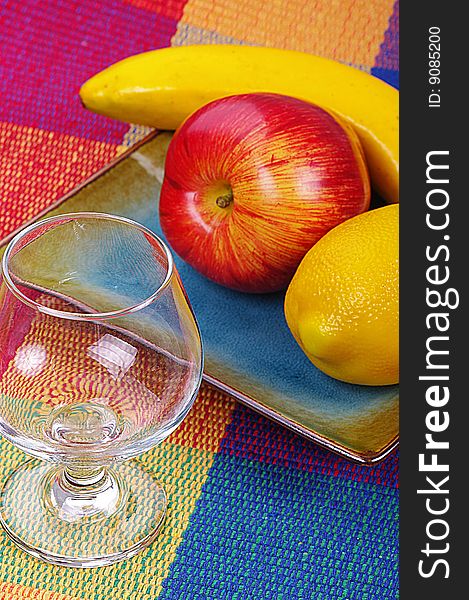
254	511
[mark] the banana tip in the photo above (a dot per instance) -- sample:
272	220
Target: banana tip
93	93
85	94
81	100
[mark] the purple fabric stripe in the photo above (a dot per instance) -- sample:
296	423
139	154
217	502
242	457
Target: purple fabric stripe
49	48
388	57
252	437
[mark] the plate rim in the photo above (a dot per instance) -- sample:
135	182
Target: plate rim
366	458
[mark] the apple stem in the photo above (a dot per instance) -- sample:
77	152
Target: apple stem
225	200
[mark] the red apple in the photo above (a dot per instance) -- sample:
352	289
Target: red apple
251	184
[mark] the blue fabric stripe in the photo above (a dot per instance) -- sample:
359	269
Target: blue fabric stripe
391	77
264	531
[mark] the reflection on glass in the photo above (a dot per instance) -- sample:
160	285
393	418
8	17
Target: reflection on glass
100	359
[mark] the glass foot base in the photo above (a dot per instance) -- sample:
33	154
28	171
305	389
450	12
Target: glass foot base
114	517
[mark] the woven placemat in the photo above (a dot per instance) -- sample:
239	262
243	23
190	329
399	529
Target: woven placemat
255	511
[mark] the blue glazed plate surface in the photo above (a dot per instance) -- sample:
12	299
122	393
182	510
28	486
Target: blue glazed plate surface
250	351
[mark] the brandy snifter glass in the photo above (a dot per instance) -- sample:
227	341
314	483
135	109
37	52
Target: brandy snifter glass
100	360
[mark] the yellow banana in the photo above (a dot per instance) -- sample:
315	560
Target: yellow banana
162	87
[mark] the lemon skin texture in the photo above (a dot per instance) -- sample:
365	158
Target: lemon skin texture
342	305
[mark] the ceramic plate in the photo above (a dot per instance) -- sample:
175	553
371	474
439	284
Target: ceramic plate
250	353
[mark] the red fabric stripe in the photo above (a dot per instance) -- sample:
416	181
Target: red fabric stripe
169	8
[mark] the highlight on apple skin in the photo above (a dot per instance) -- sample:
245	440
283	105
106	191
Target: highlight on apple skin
253	181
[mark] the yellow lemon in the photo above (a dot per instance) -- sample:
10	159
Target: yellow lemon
342	305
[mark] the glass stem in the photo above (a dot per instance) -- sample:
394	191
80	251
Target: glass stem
83	476
78	491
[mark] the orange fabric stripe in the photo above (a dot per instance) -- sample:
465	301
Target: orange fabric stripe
15	591
39	166
350	30
205	425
